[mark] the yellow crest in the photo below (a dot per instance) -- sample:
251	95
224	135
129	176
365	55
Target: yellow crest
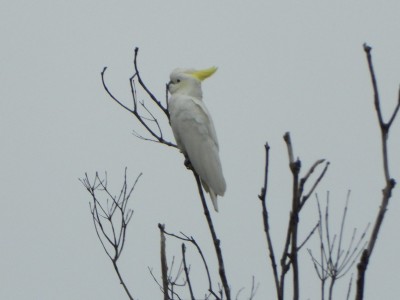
203	74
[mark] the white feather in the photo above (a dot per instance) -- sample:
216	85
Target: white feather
195	134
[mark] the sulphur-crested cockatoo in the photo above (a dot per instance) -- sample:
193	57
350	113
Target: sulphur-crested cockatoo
194	130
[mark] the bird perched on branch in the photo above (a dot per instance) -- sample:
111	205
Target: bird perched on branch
194	130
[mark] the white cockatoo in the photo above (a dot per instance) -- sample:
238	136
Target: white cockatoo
194	130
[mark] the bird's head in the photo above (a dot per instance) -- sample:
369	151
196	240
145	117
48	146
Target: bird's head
188	81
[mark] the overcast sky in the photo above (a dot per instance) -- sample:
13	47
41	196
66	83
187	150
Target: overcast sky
293	66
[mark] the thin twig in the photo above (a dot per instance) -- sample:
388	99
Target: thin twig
186	238
308	237
165	110
160	286
157	137
262	197
335	262
254	289
187	271
349	288
304	198
114	213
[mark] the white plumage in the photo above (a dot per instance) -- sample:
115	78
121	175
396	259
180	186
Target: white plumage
194	130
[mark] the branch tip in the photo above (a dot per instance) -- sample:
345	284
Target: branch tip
286	136
367	48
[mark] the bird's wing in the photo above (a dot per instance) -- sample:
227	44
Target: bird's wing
195	134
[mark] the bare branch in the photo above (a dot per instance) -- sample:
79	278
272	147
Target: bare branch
308	237
288	141
156	137
396	110
114	210
165	110
311	170
304	198
289	257
155	279
262	197
216	241
254	289
334	262
349	288
191	240
292	232
110	94
187	271
389	182
164	266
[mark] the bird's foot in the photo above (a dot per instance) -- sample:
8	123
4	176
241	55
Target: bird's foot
188	164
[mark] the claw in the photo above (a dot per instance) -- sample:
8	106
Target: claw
188	164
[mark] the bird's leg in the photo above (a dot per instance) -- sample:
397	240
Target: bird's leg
187	163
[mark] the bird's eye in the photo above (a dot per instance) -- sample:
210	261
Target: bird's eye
178	80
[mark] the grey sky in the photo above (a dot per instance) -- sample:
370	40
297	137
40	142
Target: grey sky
294	66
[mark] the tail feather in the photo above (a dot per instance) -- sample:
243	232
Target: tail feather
214	199
213	196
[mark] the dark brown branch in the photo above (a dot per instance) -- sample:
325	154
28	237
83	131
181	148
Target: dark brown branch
142	120
174	294
295	167
152	119
186	238
254	289
109	92
122	282
335	261
396	110
288	141
385	127
305	198
109	213
349	288
367	50
187	271
389	182
165	110
311	171
155	279
216	241
308	237
289	258
164	265
263	198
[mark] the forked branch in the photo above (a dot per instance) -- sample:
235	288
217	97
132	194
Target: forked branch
334	260
289	257
191	240
290	254
111	217
146	117
389	182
